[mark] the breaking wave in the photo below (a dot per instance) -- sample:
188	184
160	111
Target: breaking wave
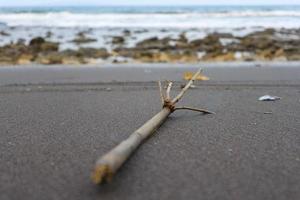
154	18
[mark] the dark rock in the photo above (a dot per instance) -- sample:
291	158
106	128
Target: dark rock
3	33
39	44
82	38
208	40
155	43
93	53
126	52
37	41
222	35
81	34
267	32
59	58
182	42
21	41
292	52
209	44
49	34
9	54
49	46
183	38
258	43
82	55
118	40
141	31
72	57
164	30
157	56
71	53
126	33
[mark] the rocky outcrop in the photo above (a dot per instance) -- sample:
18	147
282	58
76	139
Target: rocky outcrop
127	33
45	52
39	44
82	39
3	33
261	45
118	40
93	53
81	56
155	43
10	54
264	45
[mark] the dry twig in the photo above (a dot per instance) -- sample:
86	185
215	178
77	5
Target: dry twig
161	92
109	164
169	90
195	109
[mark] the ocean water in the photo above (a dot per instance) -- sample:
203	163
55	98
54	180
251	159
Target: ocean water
103	23
153	17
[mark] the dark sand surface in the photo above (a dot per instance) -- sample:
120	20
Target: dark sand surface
218	72
52	134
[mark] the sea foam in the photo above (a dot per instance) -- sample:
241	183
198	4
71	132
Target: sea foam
220	19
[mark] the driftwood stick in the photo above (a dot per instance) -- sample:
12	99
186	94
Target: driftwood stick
194	109
187	86
161	93
113	160
169	90
108	165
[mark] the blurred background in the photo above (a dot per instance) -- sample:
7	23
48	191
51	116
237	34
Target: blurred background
124	31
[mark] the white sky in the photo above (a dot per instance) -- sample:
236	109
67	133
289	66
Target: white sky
145	2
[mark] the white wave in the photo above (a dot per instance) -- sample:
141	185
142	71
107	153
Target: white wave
288	19
251	13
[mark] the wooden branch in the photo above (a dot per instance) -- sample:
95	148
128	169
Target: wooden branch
108	165
187	86
195	109
169	90
161	93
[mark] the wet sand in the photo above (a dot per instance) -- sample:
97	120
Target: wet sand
55	122
259	72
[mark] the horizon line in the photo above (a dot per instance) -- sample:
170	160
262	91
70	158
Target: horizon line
136	5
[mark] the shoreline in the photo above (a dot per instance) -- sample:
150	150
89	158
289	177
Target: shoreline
233	64
57	74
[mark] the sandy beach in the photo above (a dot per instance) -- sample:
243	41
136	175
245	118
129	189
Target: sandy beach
78	77
234	72
248	150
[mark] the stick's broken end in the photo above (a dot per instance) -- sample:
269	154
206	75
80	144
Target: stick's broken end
101	174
